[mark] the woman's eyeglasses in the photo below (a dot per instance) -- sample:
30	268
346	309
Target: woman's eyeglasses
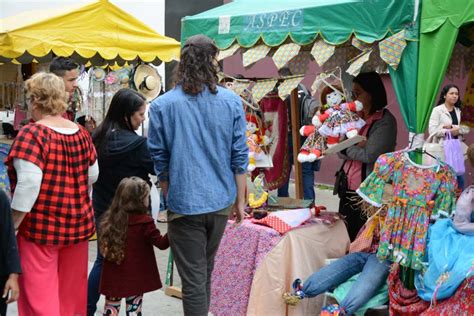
355	95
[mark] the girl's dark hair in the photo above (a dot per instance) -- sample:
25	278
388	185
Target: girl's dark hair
373	85
123	105
197	66
444	92
130	198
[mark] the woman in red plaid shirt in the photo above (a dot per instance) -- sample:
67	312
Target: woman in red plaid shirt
52	165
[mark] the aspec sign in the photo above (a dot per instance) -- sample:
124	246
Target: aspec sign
290	20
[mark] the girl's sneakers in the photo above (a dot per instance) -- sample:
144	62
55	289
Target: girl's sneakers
296	295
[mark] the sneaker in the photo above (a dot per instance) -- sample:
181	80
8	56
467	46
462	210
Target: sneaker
332	310
296	295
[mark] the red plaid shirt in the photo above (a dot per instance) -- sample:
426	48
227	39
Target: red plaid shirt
62	213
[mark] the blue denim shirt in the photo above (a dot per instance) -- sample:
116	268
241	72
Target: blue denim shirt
197	144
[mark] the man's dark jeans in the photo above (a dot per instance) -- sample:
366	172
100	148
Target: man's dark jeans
194	240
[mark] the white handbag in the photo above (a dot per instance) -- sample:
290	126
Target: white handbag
434	146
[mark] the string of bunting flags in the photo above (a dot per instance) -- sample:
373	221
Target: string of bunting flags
260	88
292	55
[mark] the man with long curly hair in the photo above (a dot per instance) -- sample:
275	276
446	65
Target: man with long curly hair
197	142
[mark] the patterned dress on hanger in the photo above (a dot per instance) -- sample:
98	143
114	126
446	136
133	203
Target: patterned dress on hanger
419	193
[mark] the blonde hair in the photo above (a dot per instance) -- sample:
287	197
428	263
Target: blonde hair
47	92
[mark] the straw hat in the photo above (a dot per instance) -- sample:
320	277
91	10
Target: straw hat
147	81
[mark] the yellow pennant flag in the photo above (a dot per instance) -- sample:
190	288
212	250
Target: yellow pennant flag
322	51
287	86
284	53
356	65
228	52
357	43
254	54
261	88
239	86
391	49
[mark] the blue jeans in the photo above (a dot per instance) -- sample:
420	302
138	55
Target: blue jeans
163	204
93	281
374	275
307	171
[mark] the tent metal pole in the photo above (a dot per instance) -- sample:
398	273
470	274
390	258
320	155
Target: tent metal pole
294	108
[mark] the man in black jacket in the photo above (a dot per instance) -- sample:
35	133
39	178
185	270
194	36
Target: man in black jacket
9	258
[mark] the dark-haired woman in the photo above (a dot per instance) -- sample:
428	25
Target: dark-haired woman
381	133
121	154
446	117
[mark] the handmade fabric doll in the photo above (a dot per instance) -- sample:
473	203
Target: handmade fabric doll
259	196
339	120
255	140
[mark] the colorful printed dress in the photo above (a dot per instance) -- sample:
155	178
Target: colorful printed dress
419	192
340	122
314	142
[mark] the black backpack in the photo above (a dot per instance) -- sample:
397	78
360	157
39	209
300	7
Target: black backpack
308	105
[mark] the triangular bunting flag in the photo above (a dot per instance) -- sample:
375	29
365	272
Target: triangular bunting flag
357	43
356	65
261	88
239	86
228	52
322	51
254	54
284	53
299	64
391	49
287	86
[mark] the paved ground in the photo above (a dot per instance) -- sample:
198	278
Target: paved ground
157	303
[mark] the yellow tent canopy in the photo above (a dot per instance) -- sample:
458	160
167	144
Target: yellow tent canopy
98	32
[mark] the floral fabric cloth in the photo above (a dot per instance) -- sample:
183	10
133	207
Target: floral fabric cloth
461	303
233	274
419	192
403	301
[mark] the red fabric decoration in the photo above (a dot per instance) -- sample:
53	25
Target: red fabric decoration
275	114
402	300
